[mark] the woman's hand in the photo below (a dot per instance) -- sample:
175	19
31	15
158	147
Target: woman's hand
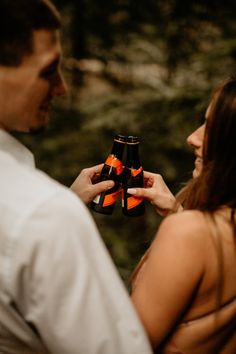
157	192
86	186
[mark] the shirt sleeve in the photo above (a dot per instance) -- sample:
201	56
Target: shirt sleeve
65	284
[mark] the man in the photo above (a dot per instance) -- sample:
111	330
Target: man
59	290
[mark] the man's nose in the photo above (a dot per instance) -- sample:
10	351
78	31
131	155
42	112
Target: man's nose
59	87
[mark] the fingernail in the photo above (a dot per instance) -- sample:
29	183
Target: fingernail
132	191
110	184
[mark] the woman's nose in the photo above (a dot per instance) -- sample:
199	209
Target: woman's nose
196	138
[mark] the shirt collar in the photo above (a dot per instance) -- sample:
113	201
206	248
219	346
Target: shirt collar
13	147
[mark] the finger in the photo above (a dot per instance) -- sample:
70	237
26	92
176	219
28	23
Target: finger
140	193
91	171
148	174
102	186
98	168
162	212
148	183
95	178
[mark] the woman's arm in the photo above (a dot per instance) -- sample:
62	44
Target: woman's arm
171	274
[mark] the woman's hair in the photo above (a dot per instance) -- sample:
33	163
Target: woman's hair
216	185
18	20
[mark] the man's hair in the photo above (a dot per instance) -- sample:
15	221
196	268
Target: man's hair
18	20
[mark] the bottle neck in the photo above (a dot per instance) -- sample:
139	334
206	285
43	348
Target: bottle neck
133	160
118	149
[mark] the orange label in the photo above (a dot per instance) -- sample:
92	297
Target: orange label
134	172
116	163
110	199
133	202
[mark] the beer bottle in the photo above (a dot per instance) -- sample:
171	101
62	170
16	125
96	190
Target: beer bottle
132	177
105	202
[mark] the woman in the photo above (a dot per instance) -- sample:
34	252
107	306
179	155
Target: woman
184	289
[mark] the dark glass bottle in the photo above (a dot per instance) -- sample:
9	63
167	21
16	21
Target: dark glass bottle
105	202
132	177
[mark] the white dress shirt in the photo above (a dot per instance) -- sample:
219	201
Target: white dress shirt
59	290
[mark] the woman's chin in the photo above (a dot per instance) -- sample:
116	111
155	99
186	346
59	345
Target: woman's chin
196	173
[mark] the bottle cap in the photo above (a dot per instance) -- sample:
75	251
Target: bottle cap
132	139
120	138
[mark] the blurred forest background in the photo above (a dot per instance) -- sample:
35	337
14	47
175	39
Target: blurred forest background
139	67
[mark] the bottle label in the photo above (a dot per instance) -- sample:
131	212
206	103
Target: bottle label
110	199
112	161
122	198
135	172
96	200
132	201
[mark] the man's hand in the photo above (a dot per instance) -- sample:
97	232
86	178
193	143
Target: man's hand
86	186
157	192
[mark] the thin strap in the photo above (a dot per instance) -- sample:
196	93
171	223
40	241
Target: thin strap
225	306
216	238
170	348
232	219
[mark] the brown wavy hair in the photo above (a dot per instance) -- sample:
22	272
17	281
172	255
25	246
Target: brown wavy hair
216	185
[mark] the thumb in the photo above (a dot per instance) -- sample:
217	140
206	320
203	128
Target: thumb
102	186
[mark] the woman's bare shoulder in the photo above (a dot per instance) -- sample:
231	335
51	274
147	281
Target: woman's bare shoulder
193	220
181	238
188	226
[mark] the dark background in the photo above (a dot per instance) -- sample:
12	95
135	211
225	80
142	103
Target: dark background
140	67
